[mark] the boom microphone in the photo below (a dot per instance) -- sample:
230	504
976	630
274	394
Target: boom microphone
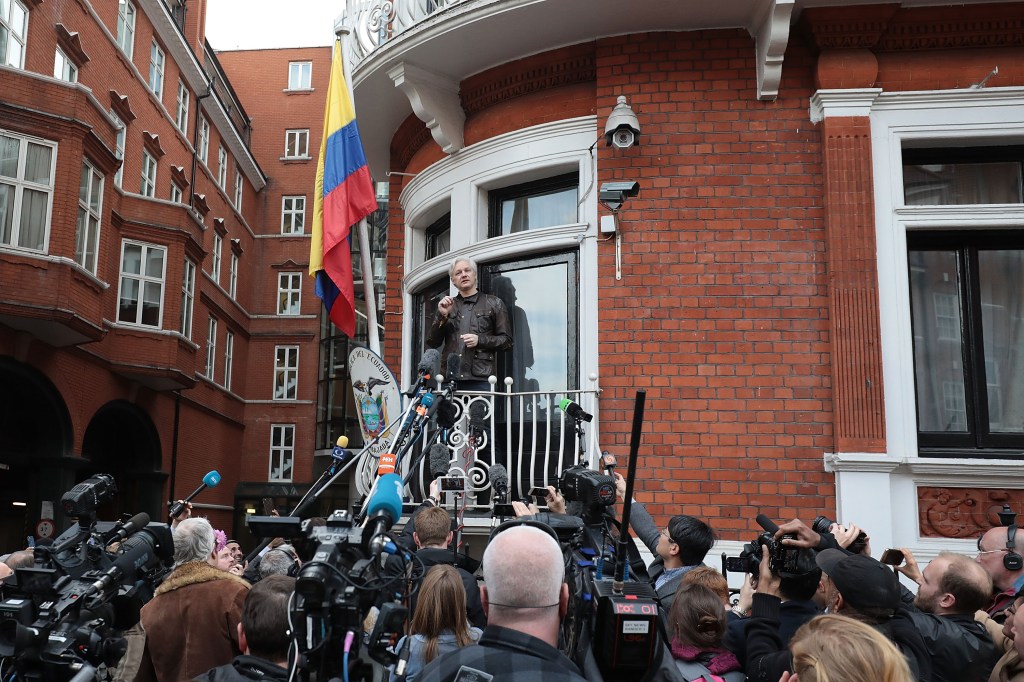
574	410
383	510
767	524
210	480
439	459
123	530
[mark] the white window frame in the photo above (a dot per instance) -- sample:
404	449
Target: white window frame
289	293
218	245
222	167
119	139
204	140
285	371
177	193
300	75
289	214
157	63
299	135
147	185
181	108
229	353
233	275
238	190
126	27
16	39
87	241
63	67
281	454
21	186
211	349
142	279
188	297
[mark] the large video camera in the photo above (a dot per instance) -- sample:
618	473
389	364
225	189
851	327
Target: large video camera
65	615
783	560
335	591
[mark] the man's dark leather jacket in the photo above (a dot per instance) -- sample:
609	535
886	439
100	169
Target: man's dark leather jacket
480	314
961	648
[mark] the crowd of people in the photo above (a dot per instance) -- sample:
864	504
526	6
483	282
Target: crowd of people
824	613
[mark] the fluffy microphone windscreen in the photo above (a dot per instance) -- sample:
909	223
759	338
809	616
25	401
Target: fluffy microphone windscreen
453	367
430	363
499	477
476	416
438	458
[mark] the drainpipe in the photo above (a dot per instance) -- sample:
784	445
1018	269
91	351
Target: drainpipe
174	442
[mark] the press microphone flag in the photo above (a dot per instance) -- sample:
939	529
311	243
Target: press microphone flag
383	510
210	480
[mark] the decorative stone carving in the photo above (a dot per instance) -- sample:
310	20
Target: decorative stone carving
962	512
771	39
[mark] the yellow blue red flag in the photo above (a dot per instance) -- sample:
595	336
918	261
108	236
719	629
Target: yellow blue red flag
343	196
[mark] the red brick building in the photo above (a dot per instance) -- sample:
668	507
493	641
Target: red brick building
818	284
156	319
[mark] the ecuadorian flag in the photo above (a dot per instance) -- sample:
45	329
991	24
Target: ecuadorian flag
343	196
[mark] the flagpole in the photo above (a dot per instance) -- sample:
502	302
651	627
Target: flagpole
369	296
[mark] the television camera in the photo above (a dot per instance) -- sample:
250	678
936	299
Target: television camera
63	617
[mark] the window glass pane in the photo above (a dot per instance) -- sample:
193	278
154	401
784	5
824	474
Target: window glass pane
962	183
9	147
154	263
32	234
530	213
938	341
6	213
537	300
128	305
151	303
1002	313
95	193
37	164
132	262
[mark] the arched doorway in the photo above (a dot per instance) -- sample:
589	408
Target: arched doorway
122	441
36	441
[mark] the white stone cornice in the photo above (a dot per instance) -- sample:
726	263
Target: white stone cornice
435	101
771	38
853	102
860	461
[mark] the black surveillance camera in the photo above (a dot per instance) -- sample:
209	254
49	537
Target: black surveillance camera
614	194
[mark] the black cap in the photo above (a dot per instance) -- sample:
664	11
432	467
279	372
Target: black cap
863	582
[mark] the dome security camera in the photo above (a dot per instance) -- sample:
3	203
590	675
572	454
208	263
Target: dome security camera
622	129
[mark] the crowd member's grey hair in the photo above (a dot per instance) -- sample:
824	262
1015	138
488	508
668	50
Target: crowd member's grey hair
193	541
462	259
523	567
277	561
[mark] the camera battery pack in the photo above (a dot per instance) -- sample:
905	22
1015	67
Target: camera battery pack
626	630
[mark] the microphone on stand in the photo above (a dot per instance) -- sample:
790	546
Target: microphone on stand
429	365
439	458
574	410
210	480
499	481
476	421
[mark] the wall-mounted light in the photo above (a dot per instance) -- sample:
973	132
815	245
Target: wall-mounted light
19	504
622	129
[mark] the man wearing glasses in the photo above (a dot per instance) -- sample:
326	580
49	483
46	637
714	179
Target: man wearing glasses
998	554
678	548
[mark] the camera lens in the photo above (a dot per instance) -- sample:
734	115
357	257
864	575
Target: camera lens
821	524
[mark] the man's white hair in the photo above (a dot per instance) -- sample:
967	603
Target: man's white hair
462	259
523	567
193	541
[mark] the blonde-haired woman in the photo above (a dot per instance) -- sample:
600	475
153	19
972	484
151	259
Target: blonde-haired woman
439	624
834	648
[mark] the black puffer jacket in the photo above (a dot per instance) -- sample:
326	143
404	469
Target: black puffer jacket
242	669
480	314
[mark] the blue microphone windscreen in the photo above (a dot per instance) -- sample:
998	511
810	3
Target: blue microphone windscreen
211	479
387	496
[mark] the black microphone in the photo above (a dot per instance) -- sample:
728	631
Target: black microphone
766	523
574	410
439	459
426	369
476	419
499	479
453	367
210	480
123	530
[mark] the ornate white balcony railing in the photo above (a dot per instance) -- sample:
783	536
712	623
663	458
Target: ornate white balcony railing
374	22
525	432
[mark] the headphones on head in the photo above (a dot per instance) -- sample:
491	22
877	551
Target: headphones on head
1012	561
293	569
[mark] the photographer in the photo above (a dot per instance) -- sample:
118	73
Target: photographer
797	606
951	589
678	548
